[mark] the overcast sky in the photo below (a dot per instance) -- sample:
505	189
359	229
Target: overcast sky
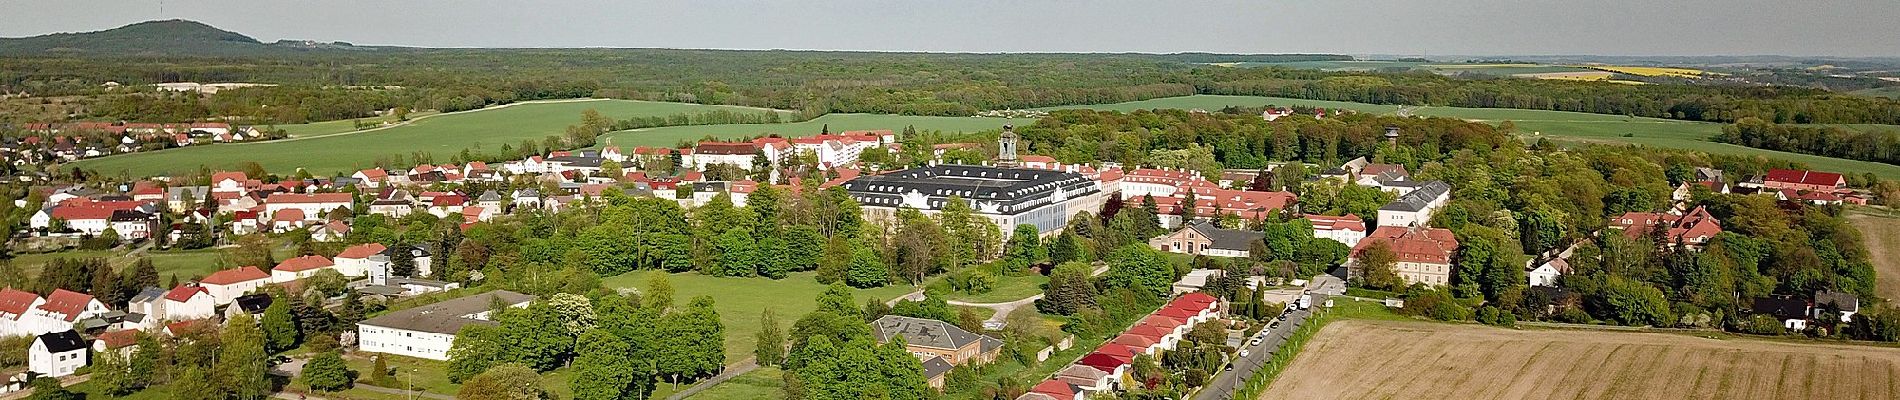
1407	27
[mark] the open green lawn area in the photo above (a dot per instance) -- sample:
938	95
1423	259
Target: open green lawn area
327	128
1557	125
441	135
672	135
185	264
740	300
762	383
1008	288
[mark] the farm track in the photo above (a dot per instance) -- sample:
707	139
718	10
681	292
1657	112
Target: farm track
1418	360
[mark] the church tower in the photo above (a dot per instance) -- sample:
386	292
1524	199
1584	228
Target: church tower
1006	147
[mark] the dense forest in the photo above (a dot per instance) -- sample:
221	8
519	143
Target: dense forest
1877	145
330	84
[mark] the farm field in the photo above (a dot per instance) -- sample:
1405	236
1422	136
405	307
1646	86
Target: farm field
1881	231
673	135
1358	359
442	136
1889	92
326	128
740	300
1532	124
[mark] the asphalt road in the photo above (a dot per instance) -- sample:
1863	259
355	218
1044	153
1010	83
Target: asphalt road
1223	385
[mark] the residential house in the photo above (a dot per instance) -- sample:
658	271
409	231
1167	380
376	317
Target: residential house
63	310
228	284
933	340
1205	238
146	308
1216	202
1087	379
373	177
181	198
123	341
393	203
329	231
315	206
15	312
1348	229
1057	389
380	271
428	331
355	261
707	154
1379	175
251	304
57	354
1847	304
1424	254
1793	313
299	268
187	302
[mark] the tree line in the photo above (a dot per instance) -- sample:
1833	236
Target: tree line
1873	144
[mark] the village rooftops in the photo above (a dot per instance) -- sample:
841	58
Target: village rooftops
446	317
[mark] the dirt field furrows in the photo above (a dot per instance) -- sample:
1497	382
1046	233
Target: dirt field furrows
1882	235
1430	361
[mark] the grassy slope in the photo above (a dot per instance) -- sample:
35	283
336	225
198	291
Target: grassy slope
762	383
185	264
442	136
740	300
1880	230
1556	125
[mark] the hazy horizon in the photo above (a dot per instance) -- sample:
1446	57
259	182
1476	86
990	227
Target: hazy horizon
1433	28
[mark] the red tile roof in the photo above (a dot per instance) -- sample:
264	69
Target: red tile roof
1430	245
1330	223
234	275
183	293
119	338
294	198
221	176
16	302
304	263
362	250
66	303
1694	227
1103	362
288	215
1804	177
1055	388
1135	341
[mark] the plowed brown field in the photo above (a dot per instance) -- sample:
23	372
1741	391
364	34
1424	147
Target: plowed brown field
1420	360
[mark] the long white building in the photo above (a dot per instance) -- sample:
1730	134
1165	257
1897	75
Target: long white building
428	331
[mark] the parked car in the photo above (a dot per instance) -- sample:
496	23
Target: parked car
1243	354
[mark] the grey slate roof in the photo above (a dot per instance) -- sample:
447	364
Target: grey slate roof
1012	190
60	342
935	367
1419	197
1227	239
1845	302
489	196
448	316
150	294
253	304
923	332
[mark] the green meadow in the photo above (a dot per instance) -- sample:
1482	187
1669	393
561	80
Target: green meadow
741	300
442	135
333	147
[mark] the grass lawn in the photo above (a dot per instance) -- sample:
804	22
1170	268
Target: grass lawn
1008	288
740	300
441	135
762	383
327	128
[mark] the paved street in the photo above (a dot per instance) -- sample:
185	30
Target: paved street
1223	385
